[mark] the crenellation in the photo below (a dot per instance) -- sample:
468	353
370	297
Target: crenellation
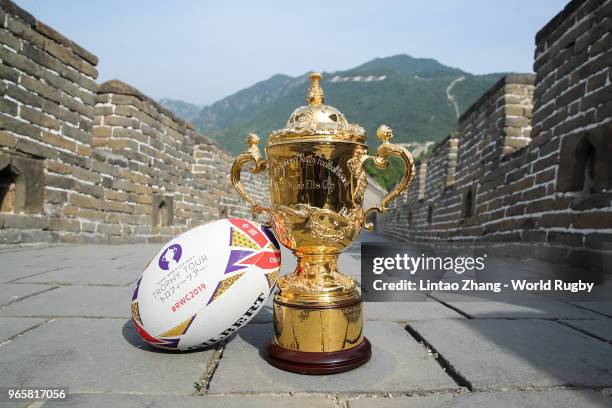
530	165
92	162
421	179
451	160
96	163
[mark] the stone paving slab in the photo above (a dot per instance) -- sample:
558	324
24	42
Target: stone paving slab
97	355
288	261
23	263
265	313
11	292
599	328
399	364
138	401
507	399
350	264
85	301
525	306
12	326
12	272
491	354
98	273
104	355
599	307
408	311
430	401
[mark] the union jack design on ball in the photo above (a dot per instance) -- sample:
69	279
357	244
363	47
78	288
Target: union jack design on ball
247	242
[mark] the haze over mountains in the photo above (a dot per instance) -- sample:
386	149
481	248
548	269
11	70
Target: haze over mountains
184	110
409	94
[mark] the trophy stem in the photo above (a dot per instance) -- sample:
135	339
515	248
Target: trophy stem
316	280
318	319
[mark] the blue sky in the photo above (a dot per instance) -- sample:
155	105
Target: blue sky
201	51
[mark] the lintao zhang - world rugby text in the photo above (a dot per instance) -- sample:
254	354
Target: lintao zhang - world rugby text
467	285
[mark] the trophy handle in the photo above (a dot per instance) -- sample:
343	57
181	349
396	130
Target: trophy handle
252	154
385	150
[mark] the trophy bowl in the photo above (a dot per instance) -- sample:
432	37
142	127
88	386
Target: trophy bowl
317	185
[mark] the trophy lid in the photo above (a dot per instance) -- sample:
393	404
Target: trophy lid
317	121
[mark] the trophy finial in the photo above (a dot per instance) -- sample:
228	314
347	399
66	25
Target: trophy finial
384	133
315	93
252	139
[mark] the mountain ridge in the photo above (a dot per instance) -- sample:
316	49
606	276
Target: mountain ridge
411	98
407	93
182	109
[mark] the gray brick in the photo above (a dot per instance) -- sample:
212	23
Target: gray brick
39	118
42	89
42	58
8	107
23	96
8	73
19	127
10	40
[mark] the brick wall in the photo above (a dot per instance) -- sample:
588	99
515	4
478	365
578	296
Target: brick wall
82	162
532	174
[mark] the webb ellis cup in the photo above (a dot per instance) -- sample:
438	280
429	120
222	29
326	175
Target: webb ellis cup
317	185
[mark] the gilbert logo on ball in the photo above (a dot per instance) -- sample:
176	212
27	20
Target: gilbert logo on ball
205	284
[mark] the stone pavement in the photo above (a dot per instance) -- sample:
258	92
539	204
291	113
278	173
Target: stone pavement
64	321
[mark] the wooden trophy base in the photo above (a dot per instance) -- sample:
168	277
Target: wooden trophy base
318	362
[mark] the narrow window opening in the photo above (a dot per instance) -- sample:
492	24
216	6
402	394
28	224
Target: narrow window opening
584	167
163	212
468	204
588	185
8	186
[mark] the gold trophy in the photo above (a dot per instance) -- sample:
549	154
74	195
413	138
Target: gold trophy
317	184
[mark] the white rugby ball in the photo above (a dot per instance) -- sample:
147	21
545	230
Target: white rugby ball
205	284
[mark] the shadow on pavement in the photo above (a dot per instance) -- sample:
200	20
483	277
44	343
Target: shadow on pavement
128	331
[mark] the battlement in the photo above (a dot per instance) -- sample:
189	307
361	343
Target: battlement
527	168
82	162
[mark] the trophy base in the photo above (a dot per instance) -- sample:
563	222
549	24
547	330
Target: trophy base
318	363
323	338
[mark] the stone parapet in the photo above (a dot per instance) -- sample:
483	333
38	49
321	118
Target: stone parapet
82	162
532	155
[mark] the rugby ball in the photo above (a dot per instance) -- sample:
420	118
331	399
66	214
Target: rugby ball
205	284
